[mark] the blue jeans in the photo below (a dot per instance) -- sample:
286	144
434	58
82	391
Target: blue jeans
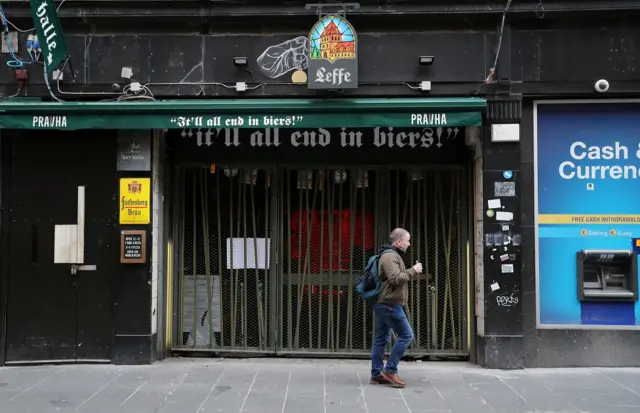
388	318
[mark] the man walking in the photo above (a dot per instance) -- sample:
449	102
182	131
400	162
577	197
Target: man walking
389	309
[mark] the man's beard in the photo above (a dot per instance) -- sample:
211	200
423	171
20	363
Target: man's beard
402	250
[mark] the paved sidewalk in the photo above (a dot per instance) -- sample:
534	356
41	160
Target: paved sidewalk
300	386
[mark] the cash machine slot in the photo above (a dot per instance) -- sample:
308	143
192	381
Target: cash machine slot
607	275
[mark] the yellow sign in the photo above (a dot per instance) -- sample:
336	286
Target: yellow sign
588	219
135	201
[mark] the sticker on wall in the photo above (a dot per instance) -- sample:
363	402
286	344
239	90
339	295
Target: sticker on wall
488	240
490	213
135	201
494	204
516	240
504	189
495	287
504	257
507	268
507	174
504	216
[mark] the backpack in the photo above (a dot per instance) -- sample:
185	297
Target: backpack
368	286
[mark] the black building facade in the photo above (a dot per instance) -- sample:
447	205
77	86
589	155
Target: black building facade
258	193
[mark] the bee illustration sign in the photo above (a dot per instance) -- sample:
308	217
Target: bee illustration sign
135	201
333	54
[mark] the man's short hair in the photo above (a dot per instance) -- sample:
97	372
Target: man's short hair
397	234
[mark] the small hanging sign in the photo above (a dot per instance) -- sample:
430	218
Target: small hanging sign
333	54
49	31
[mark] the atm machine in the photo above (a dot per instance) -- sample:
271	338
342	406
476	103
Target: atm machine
607	275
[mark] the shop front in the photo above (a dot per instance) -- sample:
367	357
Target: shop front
272	226
587	236
271	208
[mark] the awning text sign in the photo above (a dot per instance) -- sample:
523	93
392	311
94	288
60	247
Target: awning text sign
387	137
256	120
271	121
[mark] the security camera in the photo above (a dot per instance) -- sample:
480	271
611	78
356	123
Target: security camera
601	86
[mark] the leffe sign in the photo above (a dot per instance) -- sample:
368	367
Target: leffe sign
333	54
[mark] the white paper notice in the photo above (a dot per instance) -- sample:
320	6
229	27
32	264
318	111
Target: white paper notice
495	286
251	248
504	216
494	204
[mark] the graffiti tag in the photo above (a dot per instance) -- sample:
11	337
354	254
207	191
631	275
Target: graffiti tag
507	300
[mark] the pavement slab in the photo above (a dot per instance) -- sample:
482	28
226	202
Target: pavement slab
196	385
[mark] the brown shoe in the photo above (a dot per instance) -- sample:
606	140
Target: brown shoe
379	380
394	379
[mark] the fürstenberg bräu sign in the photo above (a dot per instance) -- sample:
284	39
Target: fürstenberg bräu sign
49	30
313	120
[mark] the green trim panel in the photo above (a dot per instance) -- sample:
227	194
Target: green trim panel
249	113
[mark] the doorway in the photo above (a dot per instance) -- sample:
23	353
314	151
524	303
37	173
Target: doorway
53	315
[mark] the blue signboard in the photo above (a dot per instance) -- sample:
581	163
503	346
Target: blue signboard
588	197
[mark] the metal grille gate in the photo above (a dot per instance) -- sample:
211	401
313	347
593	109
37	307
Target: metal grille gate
268	257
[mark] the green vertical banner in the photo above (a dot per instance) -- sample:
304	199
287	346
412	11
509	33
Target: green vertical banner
49	30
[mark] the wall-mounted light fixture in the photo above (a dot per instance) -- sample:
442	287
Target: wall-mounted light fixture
426	60
240	61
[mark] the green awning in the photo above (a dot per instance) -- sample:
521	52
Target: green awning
243	113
